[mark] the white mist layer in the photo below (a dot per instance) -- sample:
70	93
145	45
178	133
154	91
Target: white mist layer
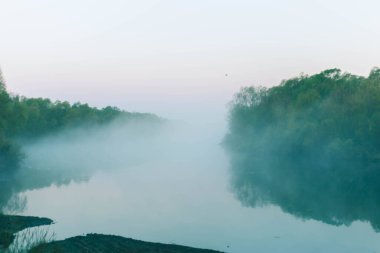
78	153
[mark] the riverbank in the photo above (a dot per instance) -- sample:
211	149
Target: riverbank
98	243
11	224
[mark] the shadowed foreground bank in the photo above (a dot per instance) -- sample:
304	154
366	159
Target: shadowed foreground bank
11	224
98	243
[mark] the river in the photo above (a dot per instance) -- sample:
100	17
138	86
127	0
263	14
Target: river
181	194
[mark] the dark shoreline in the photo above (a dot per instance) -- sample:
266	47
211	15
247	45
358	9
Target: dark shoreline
97	243
11	224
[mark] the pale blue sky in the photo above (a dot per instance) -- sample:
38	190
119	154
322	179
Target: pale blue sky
170	57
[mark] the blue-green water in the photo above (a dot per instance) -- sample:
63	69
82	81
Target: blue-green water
180	195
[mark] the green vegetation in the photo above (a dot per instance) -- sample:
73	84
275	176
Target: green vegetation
25	120
10	224
310	145
30	118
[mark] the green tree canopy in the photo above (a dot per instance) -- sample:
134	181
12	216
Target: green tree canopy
310	145
31	118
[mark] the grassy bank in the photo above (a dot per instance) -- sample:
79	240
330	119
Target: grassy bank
11	224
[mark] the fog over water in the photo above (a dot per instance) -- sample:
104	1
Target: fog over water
167	182
172	181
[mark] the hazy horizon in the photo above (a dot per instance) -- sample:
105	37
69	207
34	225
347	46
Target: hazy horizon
171	58
294	168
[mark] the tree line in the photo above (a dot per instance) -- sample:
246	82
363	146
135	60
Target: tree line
310	145
30	118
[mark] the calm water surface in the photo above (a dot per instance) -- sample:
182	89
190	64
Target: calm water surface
182	195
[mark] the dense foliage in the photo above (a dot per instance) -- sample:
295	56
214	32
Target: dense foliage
310	145
30	118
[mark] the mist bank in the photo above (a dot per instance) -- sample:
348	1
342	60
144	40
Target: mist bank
172	150
75	154
30	127
310	145
145	160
